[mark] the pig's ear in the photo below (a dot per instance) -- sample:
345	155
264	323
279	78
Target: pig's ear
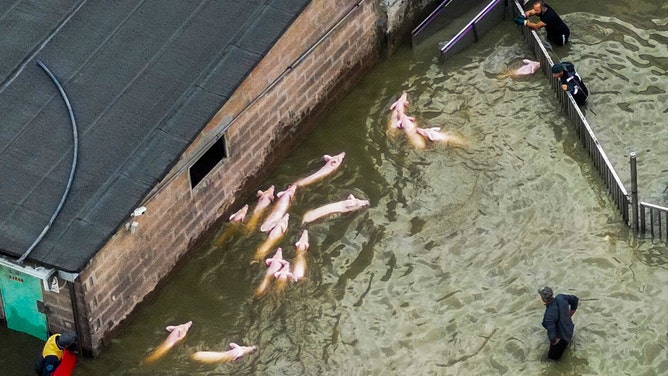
327	157
436	129
351	197
233	345
170	328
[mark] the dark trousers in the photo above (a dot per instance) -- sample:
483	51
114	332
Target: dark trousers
559	40
556	351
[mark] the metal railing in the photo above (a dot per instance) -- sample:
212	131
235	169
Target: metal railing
651	221
647	218
460	22
641	216
430	24
587	137
485	20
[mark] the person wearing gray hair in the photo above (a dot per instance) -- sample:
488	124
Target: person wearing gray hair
557	320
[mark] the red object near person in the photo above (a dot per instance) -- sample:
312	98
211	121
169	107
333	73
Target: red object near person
67	363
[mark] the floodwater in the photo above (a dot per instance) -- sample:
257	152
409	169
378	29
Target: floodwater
439	275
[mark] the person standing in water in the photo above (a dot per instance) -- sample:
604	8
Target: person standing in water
557	320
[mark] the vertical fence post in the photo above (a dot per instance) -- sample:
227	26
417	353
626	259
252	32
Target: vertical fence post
634	193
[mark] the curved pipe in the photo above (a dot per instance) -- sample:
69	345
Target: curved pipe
75	136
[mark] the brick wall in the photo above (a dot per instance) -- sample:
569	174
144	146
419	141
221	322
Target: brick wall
59	309
130	266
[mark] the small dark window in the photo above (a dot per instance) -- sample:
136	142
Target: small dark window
208	161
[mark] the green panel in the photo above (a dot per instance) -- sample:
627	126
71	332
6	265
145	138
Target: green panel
20	296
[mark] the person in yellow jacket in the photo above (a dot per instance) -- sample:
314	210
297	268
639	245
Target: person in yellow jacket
53	352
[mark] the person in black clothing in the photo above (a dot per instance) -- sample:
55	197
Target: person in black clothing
571	81
557	320
557	31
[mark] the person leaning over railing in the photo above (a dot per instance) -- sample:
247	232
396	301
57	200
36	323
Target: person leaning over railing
571	81
557	31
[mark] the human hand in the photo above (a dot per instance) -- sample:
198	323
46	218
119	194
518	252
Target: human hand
520	21
564	87
572	312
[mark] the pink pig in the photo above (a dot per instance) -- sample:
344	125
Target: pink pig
301	247
177	333
284	274
529	67
407	123
398	108
347	205
400	104
274	265
240	215
275	235
235	353
235	219
264	200
332	163
435	134
280	207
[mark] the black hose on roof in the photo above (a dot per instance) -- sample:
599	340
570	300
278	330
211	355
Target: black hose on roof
75	137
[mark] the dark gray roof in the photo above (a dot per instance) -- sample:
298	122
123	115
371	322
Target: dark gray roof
143	78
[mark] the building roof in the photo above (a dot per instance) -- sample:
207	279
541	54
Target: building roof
143	78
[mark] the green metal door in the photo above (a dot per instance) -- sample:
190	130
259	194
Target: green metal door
22	302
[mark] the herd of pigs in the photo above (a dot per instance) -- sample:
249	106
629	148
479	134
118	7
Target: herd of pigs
275	223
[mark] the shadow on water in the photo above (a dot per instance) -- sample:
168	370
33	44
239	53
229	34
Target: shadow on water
439	274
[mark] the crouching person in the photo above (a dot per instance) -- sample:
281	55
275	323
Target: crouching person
52	353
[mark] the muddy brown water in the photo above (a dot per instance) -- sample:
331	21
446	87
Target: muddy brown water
439	275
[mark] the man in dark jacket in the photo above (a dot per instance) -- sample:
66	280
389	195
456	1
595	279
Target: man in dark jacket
571	81
557	320
557	31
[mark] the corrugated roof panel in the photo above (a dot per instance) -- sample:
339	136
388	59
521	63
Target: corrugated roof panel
265	30
143	79
80	237
23	225
25	24
147	164
196	108
230	71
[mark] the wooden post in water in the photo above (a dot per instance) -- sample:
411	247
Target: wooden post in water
634	193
